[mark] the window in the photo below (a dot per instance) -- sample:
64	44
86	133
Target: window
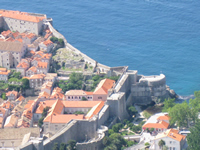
2	143
170	142
99	97
12	143
68	97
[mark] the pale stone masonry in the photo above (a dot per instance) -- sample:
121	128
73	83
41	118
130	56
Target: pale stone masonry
11	53
21	21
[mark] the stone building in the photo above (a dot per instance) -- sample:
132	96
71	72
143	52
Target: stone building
21	21
23	66
36	80
11	53
4	73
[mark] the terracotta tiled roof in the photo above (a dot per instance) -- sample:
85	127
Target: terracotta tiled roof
166	117
44	94
6	33
3	69
42	64
61	118
42	105
29	103
26	77
48	34
75	92
12	92
23	65
47	56
3	72
21	98
160	125
7	105
57	89
31	35
15	34
171	133
95	110
56	95
2	111
37	76
10	39
104	86
88	93
40	53
21	16
32	52
47	42
19	40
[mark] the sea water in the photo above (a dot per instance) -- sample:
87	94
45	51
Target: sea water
151	36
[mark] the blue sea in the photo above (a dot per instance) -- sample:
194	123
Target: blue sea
151	36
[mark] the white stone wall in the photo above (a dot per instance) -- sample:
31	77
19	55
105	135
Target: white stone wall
3	77
175	145
78	97
22	26
72	110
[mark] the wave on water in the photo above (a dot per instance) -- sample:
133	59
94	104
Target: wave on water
181	98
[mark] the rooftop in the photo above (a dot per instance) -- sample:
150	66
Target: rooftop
11	46
104	86
21	16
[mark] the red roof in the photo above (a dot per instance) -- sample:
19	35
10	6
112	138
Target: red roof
160	125
21	16
104	86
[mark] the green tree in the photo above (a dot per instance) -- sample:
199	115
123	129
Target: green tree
110	131
79	112
63	146
96	78
147	144
117	127
165	147
60	41
168	103
151	130
15	74
132	110
136	128
130	143
45	111
55	146
193	137
54	39
161	143
44	114
115	142
114	78
71	145
146	114
25	84
180	114
3	96
40	122
84	99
